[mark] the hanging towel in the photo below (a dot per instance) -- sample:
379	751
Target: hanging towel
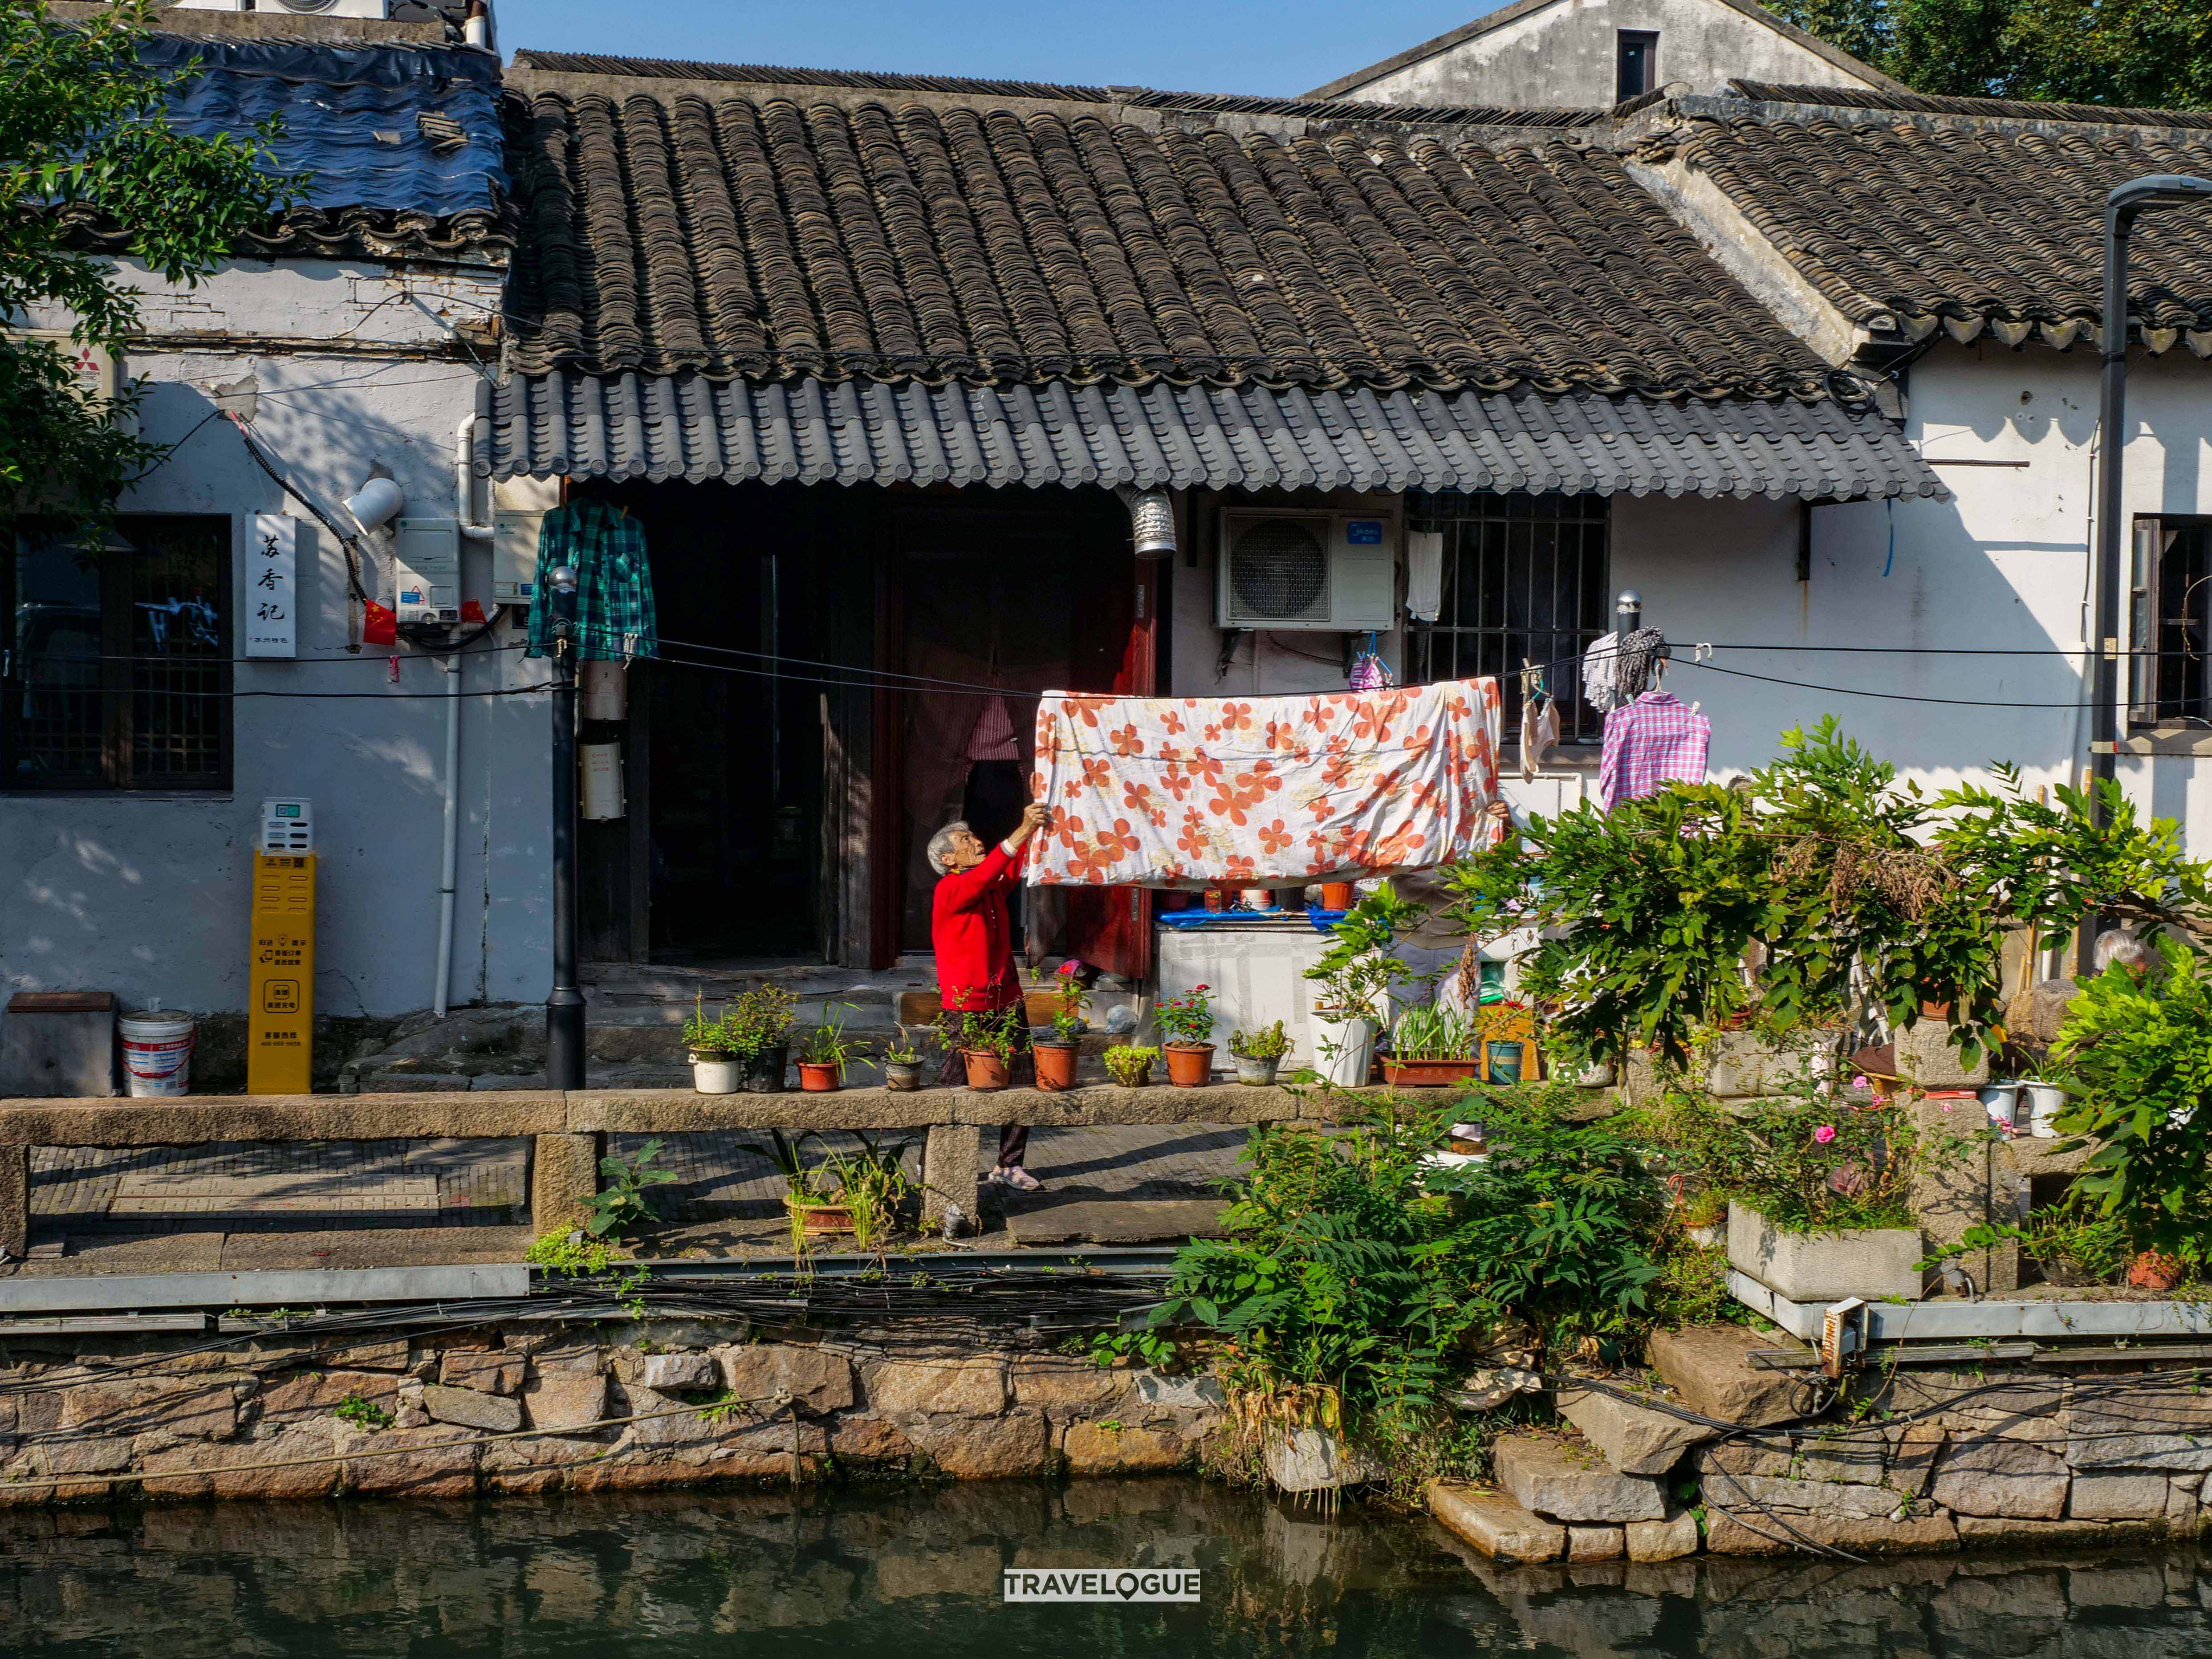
1651	741
614	582
1194	792
1539	732
1598	665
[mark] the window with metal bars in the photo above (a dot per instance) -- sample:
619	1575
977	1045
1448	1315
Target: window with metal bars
117	653
2170	641
1525	580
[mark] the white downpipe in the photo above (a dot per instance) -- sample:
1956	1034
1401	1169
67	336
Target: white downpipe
450	858
465	480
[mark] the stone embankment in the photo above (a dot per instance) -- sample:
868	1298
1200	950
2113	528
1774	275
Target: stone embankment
1912	1459
530	1407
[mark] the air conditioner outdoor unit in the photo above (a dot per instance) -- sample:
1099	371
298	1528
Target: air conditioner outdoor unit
1306	571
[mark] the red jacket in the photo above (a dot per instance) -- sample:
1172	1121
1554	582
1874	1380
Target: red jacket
968	930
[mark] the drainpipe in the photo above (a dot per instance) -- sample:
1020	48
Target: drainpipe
464	473
476	30
451	860
2155	189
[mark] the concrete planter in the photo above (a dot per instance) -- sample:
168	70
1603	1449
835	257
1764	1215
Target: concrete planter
1872	1262
1313	1460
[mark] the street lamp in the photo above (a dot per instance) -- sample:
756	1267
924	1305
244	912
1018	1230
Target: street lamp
2152	191
564	1004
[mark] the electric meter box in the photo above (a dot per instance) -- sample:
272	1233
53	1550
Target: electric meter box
519	510
427	572
287	826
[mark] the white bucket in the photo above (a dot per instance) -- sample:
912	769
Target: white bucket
2045	1101
157	1052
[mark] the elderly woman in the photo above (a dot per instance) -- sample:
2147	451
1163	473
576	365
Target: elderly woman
974	943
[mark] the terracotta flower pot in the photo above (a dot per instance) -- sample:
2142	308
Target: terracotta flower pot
1336	895
820	1077
985	1069
1428	1073
1056	1065
2154	1270
824	1218
1190	1065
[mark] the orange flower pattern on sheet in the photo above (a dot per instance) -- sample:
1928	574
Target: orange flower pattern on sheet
1191	791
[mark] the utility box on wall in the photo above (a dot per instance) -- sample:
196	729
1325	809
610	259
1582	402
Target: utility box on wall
280	1028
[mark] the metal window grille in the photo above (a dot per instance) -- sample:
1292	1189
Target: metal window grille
2171	639
118	656
1525	578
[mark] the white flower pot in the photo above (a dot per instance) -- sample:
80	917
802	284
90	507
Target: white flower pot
1344	1049
716	1076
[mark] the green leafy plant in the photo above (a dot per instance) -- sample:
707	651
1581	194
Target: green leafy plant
570	1253
1187	1021
2135	1055
905	1051
1268	1042
761	1019
1071	1021
1829	866
826	1042
1130	1063
714	1037
621	1202
998	1033
361	1414
1427	1031
1808	1163
869	1183
1356	972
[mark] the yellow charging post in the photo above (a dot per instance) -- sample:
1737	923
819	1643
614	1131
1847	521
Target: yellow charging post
280	1036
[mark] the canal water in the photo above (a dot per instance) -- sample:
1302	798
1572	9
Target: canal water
914	1574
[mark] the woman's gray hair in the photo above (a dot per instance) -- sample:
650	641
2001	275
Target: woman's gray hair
940	844
2116	944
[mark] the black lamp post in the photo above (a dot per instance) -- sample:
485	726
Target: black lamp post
2155	190
564	1004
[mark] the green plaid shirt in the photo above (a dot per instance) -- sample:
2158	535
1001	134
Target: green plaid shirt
614	582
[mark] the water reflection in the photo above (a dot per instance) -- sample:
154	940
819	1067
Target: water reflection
913	1573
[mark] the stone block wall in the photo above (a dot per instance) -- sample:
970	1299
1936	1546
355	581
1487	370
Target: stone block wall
542	1407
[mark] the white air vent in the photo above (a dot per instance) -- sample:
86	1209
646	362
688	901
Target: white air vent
1310	572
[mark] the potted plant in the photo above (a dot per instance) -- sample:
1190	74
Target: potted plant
716	1065
1257	1053
902	1064
869	1183
822	1056
760	1021
1131	1065
1056	1054
1185	1023
1430	1047
1355	974
988	1045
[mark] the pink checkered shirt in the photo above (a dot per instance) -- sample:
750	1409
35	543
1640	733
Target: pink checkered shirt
1648	742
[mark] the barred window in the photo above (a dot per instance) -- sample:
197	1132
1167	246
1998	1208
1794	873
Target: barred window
1524	579
118	652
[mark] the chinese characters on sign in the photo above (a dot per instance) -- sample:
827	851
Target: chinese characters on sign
271	592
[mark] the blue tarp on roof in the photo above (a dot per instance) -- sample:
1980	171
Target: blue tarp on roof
350	118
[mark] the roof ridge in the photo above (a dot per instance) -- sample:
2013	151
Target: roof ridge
1920	103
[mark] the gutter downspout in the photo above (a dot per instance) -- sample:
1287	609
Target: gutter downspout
464	472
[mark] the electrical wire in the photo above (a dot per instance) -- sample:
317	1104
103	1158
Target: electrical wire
1885	697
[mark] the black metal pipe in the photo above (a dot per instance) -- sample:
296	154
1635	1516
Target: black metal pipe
2126	201
564	1004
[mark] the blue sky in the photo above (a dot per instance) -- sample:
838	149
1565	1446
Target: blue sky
1280	47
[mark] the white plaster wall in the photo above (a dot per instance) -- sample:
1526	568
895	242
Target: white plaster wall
1564	56
147	896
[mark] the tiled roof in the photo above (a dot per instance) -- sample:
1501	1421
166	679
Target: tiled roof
1329	109
757	238
401	143
848	431
1908	227
1769	92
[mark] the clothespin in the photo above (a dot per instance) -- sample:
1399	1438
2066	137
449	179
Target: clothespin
392	669
1532	680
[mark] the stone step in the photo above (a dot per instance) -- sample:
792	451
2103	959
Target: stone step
1570	1482
1500	1526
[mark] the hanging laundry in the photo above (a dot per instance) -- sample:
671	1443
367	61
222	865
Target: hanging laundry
614	582
1598	693
1369	671
993	739
1540	733
1636	662
1655	740
1194	792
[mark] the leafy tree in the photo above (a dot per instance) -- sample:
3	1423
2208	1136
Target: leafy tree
2153	52
84	144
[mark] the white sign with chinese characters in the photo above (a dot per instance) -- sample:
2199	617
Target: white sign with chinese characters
271	588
